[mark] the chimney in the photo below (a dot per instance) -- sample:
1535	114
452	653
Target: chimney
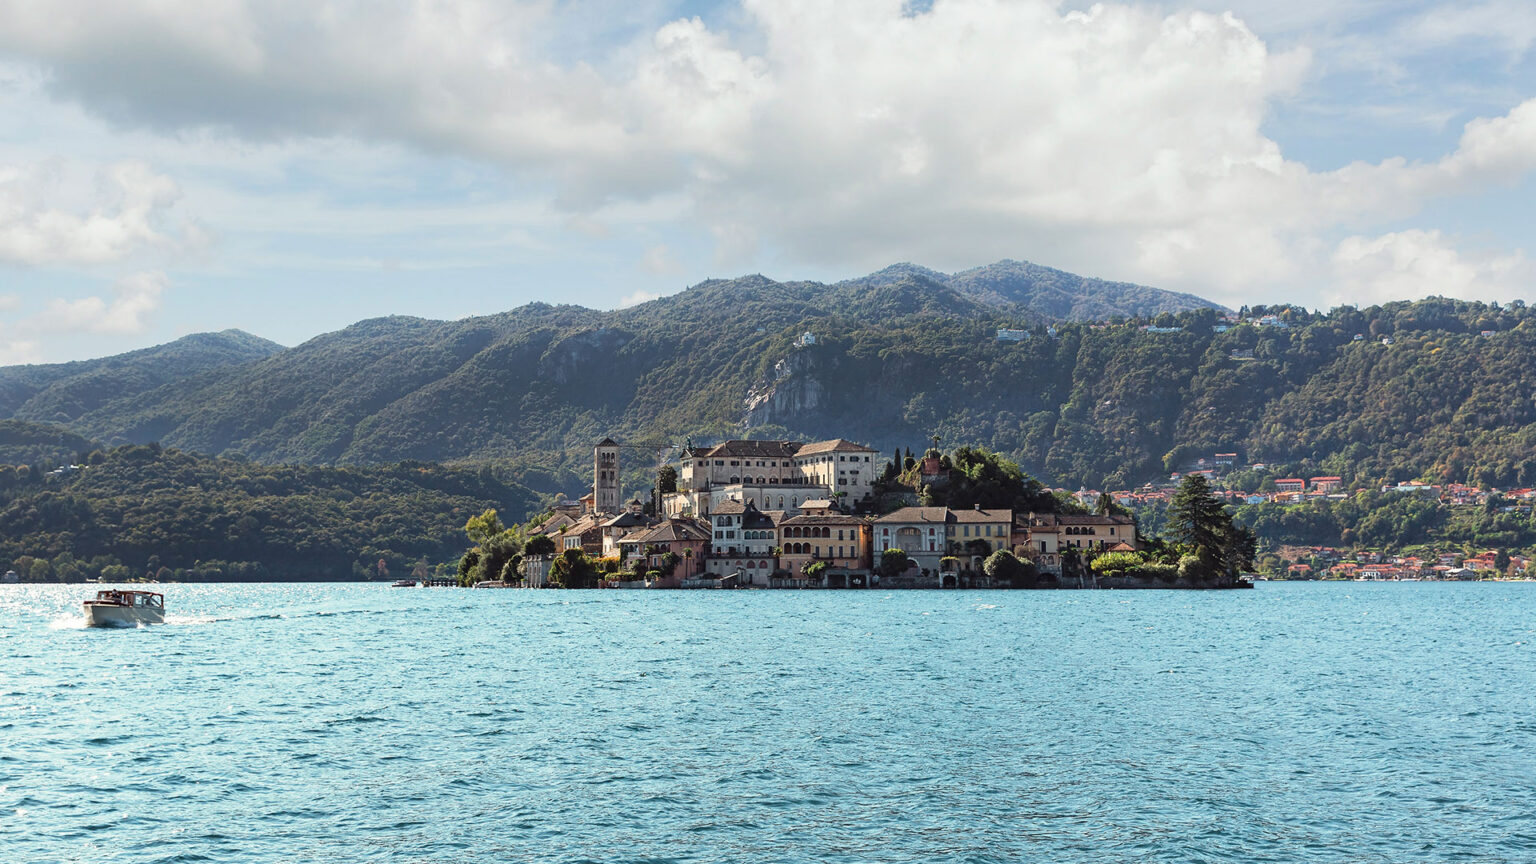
978	508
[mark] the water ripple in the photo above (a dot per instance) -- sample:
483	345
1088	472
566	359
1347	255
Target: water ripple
1324	723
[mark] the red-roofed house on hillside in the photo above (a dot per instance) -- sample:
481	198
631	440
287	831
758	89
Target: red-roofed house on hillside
1327	484
1291	484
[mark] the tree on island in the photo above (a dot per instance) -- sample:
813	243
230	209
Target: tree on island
495	546
979	477
666	480
894	562
1005	568
1215	549
814	569
573	569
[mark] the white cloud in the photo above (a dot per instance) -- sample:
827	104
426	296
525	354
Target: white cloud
9	302
1508	24
134	299
1409	265
659	260
15	352
118	220
1115	140
638	297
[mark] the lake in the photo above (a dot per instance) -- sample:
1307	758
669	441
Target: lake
1344	722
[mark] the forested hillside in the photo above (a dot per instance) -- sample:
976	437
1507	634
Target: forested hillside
1439	388
40	444
141	508
62	392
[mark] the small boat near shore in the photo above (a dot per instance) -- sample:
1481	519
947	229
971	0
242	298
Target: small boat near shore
119	608
404	583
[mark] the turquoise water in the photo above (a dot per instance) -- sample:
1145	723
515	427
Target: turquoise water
289	723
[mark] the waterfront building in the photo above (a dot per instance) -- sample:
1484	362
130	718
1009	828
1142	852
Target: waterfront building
743	541
536	570
841	541
685	538
921	532
1047	535
929	534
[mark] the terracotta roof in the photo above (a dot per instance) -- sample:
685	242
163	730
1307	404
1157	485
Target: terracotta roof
672	530
936	515
1047	520
836	445
983	515
750	448
626	520
824	520
755	518
554	522
582	525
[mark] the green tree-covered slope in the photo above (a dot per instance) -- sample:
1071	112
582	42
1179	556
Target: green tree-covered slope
63	392
143	507
40	444
894	361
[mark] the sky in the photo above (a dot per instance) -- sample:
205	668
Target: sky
290	167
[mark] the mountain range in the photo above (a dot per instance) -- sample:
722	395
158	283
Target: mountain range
893	358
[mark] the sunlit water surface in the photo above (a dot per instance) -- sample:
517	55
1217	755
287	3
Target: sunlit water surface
288	723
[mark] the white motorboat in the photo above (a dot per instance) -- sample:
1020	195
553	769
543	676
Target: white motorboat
118	608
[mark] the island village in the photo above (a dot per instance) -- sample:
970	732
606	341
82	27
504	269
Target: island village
779	514
787	514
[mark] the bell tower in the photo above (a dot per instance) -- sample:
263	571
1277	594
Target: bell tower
605	477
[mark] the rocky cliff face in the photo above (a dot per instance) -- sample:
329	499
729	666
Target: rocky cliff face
582	355
793	391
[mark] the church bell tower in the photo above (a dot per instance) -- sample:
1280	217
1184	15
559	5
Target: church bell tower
605	476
